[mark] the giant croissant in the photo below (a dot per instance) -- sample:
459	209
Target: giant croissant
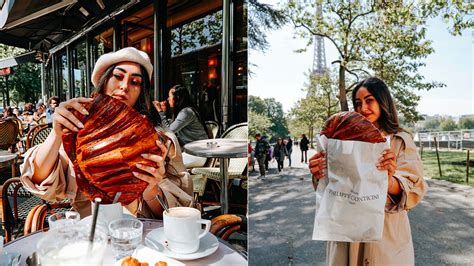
107	149
351	126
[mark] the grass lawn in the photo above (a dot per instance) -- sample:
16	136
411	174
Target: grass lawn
453	166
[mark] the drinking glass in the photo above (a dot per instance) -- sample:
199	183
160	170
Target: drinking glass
63	219
71	246
125	236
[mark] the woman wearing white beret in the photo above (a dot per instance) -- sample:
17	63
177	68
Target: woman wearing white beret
49	173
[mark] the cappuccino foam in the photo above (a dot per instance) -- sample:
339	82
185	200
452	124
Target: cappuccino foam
182	213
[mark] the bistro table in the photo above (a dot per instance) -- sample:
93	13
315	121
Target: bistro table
224	255
224	149
7	157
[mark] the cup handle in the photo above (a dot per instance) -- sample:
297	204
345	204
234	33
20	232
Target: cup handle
208	226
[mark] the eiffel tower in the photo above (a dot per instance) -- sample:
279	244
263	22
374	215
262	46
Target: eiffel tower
319	57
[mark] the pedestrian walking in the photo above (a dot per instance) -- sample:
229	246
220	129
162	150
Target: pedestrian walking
279	153
261	150
406	186
304	148
289	149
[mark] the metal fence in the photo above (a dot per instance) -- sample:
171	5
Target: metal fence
450	140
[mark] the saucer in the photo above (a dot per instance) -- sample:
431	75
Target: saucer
156	240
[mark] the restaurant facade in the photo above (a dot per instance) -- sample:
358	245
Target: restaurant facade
201	45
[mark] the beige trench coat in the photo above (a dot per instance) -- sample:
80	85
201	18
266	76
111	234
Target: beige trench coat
61	184
396	246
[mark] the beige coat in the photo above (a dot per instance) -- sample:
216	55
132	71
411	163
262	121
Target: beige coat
396	246
61	184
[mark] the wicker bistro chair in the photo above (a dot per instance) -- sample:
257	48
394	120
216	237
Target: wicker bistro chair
213	128
236	167
36	220
16	203
8	135
38	135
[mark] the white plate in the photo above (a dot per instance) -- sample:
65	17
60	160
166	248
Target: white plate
156	240
150	256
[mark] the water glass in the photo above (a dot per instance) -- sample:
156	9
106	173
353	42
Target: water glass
63	219
125	236
71	246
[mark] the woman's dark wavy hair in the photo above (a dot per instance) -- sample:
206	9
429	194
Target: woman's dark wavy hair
388	119
182	99
143	104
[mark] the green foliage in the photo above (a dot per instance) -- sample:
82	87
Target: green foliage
24	84
273	110
320	103
258	123
448	124
466	123
382	38
262	18
203	32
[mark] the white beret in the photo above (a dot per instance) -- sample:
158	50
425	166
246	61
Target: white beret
127	54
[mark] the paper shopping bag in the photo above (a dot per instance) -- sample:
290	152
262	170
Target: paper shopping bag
350	202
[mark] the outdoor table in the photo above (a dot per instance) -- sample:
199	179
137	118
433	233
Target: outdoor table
223	149
224	255
6	156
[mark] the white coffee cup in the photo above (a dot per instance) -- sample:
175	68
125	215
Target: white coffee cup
183	229
108	213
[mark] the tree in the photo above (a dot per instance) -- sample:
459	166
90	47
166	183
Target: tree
320	103
395	50
262	18
343	25
258	123
24	84
383	38
274	111
448	124
466	123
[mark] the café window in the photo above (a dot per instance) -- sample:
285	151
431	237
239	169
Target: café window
79	69
102	43
63	77
200	33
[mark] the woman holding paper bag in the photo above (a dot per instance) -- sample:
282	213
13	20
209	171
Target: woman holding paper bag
406	186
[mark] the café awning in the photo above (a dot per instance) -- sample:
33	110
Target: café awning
19	59
40	25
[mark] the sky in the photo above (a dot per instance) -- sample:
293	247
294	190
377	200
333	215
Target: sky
281	73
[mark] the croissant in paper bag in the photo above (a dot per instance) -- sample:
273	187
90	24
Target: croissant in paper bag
351	126
106	150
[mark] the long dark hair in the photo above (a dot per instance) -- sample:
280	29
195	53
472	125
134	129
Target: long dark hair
182	99
388	119
143	104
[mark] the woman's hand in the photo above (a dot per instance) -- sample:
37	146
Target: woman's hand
155	174
387	162
317	167
63	117
160	106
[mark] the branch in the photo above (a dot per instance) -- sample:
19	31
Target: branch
317	34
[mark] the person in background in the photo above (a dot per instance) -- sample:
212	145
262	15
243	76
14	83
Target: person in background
279	153
269	153
185	121
304	148
8	113
27	115
406	186
53	102
40	115
261	150
289	149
